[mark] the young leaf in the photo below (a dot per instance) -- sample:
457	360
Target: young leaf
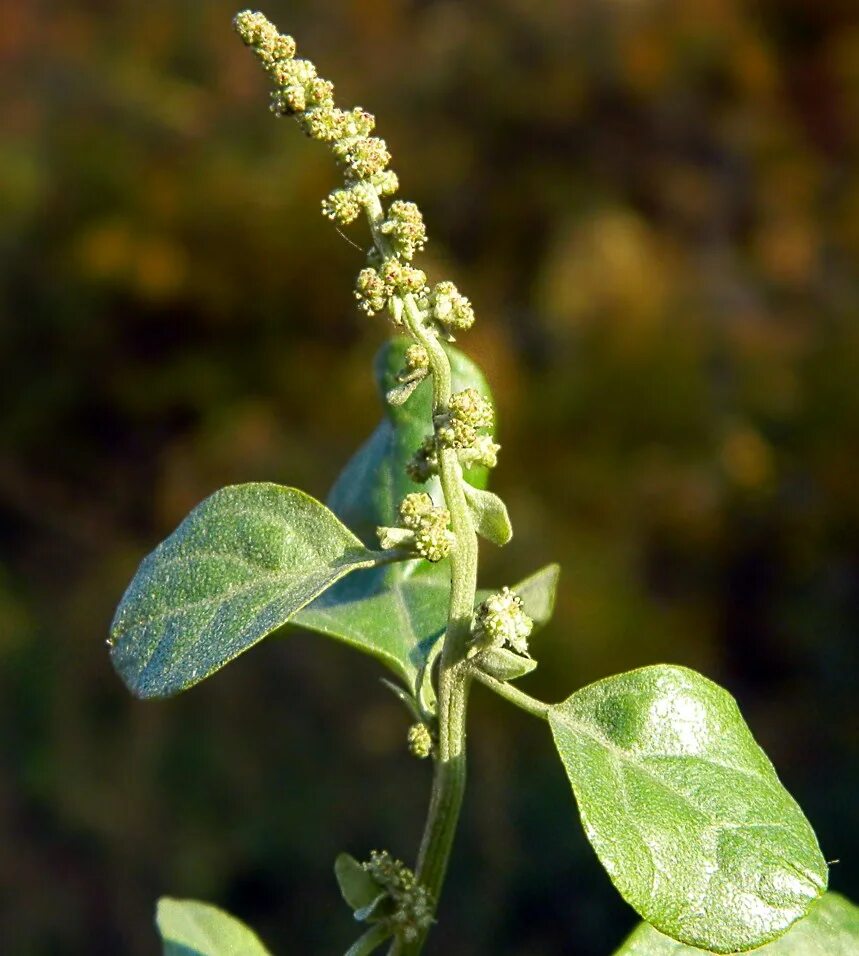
374	482
830	929
489	514
191	928
238	567
684	809
357	887
398	613
504	664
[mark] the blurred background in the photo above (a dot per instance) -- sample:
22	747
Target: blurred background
654	207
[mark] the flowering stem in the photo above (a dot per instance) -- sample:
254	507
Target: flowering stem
453	678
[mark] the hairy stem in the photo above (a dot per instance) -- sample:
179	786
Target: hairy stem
522	700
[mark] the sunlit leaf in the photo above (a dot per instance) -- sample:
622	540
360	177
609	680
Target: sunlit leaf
684	809
830	929
237	568
191	928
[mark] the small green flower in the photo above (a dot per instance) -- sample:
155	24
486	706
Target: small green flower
450	308
420	741
371	291
364	156
501	620
414	508
405	228
343	205
413	904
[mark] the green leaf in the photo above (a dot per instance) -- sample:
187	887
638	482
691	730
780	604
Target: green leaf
374	482
489	514
398	613
504	664
830	929
238	567
684	809
191	928
357	887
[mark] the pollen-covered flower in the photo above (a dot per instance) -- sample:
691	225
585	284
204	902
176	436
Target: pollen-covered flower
450	308
405	228
501	620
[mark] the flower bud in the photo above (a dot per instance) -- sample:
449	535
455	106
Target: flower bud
370	291
433	540
483	451
420	741
365	156
450	308
405	227
386	182
424	463
413	509
343	205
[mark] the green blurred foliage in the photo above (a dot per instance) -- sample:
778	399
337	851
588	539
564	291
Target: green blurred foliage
653	205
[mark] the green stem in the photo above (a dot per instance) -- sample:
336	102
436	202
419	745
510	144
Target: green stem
370	941
518	697
454	677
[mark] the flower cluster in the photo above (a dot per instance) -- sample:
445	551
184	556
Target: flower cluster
420	741
423	528
400	232
376	285
450	309
500	620
468	413
413	904
309	98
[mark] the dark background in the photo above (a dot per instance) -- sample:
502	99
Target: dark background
655	209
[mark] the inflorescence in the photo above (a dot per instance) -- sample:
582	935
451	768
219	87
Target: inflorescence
423	528
389	278
413	904
501	620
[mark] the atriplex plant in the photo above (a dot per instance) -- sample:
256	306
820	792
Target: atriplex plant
682	807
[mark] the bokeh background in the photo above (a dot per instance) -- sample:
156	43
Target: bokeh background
655	209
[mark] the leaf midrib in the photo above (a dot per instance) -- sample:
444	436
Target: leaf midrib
586	730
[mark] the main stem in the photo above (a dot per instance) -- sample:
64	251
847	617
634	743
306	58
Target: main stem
454	678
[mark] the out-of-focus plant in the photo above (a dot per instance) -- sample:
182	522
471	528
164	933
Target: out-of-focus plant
682	807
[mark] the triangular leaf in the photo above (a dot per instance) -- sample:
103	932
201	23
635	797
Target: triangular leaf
684	809
238	567
830	929
191	928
